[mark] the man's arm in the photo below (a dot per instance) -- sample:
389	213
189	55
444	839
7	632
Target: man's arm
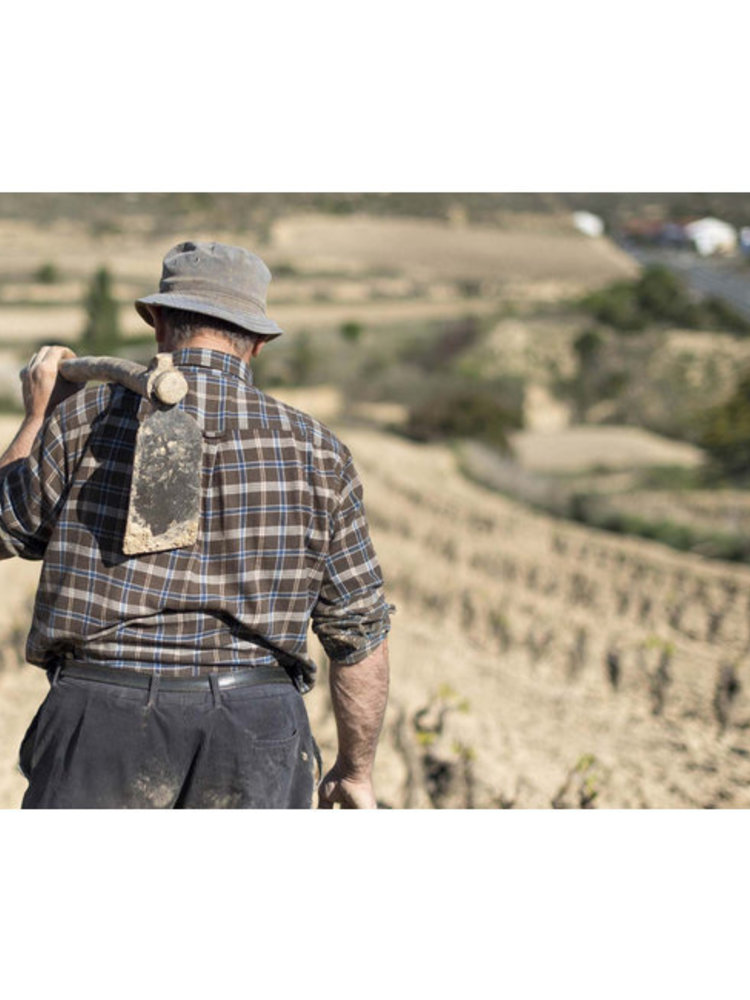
352	619
43	389
359	693
20	446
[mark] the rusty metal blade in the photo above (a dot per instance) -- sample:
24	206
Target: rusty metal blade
165	492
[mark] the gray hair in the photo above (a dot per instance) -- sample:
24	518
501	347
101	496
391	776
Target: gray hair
185	324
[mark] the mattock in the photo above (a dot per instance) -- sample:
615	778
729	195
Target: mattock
165	490
160	379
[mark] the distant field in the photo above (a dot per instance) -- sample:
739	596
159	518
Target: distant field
448	251
582	448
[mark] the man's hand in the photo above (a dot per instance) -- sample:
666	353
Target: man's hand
42	387
358	694
347	792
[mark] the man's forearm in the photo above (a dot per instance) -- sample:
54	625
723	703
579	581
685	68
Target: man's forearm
359	694
20	446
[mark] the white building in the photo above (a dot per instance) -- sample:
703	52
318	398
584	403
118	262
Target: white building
588	223
712	236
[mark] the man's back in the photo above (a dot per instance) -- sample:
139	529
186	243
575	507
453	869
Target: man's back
281	521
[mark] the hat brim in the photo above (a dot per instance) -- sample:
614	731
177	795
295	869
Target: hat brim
241	318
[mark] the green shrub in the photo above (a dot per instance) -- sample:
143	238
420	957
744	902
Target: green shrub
47	274
351	331
660	294
455	337
302	359
284	270
469	288
726	433
659	297
469	412
617	306
725	317
588	345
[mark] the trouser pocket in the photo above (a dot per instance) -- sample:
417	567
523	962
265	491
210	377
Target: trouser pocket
28	743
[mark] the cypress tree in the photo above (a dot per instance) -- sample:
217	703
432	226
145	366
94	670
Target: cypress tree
101	335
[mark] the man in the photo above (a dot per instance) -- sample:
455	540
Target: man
177	676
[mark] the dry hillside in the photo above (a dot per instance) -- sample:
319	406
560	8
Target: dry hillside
534	663
570	667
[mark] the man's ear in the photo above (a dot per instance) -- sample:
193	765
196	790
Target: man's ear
160	328
257	347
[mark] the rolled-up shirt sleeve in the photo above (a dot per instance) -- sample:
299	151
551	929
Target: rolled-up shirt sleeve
31	492
351	617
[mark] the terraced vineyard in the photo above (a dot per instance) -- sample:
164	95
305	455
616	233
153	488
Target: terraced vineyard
534	663
537	663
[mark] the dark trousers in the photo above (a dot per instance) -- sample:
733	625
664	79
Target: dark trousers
94	745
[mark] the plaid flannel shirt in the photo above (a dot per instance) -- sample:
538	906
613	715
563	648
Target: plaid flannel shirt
283	537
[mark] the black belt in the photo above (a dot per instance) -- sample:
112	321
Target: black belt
136	679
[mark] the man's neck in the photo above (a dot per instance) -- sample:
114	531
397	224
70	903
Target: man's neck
208	340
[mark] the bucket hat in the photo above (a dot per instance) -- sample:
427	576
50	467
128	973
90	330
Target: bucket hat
217	280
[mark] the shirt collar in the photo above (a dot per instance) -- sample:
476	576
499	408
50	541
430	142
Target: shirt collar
201	357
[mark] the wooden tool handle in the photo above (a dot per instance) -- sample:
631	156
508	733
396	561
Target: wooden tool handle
160	379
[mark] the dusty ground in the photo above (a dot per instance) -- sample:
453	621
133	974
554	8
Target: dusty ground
534	663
